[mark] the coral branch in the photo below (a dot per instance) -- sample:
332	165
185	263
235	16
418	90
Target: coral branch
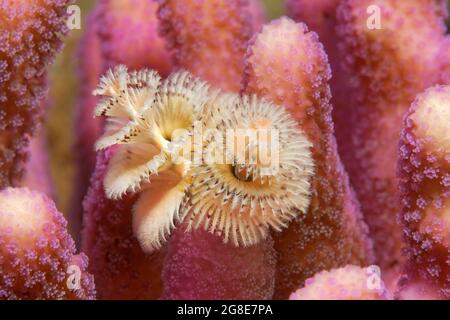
208	38
346	283
30	37
37	256
424	171
389	63
200	266
109	242
287	65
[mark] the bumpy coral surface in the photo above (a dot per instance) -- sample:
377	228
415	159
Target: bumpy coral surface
424	170
287	65
30	37
346	283
208	38
389	64
37	256
201	266
113	250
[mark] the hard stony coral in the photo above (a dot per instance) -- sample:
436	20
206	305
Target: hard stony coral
346	283
30	37
208	38
37	256
387	66
286	64
424	171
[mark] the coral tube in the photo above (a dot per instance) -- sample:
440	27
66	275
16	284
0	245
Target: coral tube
288	65
209	39
346	283
30	37
389	66
37	255
424	171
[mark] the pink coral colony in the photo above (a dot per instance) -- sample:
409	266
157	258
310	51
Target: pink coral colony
357	209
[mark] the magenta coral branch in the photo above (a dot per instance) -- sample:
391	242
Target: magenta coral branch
346	283
424	171
37	255
288	65
129	35
109	242
389	64
30	37
208	38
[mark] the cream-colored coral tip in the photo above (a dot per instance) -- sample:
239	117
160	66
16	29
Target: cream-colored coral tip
271	55
347	283
24	213
431	118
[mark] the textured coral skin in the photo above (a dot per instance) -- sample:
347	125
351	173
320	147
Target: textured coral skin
117	32
36	250
129	33
120	268
346	283
200	266
388	68
208	38
30	37
424	172
332	233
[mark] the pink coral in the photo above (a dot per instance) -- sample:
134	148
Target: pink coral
388	66
109	242
200	266
346	283
36	252
424	170
208	38
287	64
30	36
